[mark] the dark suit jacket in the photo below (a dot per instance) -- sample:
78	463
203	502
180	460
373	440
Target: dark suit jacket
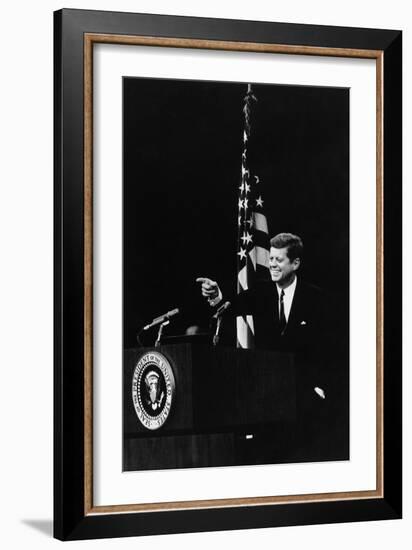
307	326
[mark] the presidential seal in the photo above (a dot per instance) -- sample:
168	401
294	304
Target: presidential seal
153	389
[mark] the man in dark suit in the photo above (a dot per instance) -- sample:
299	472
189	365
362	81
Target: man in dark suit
288	314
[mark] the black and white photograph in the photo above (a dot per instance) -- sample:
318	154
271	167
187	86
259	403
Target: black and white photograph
235	273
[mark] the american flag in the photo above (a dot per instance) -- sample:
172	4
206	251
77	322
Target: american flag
253	236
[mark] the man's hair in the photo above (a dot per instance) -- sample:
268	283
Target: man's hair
292	243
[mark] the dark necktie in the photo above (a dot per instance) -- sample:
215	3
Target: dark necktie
282	317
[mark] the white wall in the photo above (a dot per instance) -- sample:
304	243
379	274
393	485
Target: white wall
26	326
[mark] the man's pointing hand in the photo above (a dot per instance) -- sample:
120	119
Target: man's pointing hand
210	289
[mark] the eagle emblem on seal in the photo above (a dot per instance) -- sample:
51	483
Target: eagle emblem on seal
152	384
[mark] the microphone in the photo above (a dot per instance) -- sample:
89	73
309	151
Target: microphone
162	318
221	310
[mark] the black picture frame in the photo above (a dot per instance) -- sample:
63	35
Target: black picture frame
74	515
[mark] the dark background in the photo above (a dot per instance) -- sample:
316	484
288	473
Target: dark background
182	158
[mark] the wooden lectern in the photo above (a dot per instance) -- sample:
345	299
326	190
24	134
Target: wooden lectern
229	407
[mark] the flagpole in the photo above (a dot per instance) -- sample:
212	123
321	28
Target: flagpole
253	239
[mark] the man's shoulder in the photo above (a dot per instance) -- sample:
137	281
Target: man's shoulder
310	287
310	292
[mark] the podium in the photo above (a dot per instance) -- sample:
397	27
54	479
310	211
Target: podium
219	407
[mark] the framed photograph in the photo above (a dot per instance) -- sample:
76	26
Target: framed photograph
227	274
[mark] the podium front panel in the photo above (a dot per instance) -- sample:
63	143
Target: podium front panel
225	406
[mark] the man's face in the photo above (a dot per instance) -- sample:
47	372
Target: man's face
282	269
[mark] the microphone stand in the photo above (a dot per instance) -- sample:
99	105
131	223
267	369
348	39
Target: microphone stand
160	332
219	316
216	336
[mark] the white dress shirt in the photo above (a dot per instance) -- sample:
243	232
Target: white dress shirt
287	298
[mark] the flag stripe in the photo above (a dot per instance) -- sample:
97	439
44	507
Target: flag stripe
261	239
252	256
259	256
260	222
245	331
251	325
242	277
261	272
262	256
